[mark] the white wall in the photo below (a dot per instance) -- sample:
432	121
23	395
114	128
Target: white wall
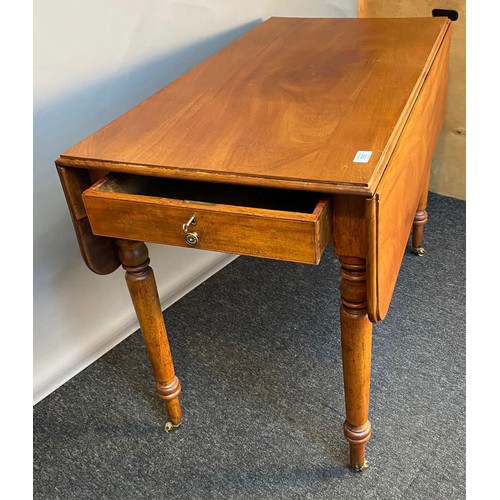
93	60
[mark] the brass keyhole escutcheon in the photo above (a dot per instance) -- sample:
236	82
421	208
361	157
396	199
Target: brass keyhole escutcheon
191	237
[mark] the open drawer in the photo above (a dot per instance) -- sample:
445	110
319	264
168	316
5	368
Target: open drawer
247	220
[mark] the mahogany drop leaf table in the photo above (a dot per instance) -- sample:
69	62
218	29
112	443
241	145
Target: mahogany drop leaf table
301	133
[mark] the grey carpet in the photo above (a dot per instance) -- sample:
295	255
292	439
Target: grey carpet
257	350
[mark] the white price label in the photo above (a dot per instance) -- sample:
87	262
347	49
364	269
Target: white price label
362	157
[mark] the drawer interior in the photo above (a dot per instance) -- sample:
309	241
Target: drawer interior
208	193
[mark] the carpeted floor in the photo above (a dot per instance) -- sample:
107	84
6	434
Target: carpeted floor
257	350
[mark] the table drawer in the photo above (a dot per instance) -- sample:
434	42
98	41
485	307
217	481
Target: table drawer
246	220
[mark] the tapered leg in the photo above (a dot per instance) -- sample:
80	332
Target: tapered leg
142	286
356	335
419	221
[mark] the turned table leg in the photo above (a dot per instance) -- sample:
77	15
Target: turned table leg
142	286
419	221
356	336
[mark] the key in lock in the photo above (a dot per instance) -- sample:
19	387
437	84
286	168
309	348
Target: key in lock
190	237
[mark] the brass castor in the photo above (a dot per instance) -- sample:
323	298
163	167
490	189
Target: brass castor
419	251
170	427
362	468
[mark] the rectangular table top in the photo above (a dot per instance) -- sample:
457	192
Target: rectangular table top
291	103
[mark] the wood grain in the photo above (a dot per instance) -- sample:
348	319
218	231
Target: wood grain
356	337
419	221
259	232
290	102
449	161
349	225
99	254
288	105
142	286
391	212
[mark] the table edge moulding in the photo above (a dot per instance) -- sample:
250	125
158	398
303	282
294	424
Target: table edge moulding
301	133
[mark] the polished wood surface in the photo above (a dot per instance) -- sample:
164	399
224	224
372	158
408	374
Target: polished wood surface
349	225
288	104
142	286
287	107
356	338
392	209
99	254
420	219
284	225
448	173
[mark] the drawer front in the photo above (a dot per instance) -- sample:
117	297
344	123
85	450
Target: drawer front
244	230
